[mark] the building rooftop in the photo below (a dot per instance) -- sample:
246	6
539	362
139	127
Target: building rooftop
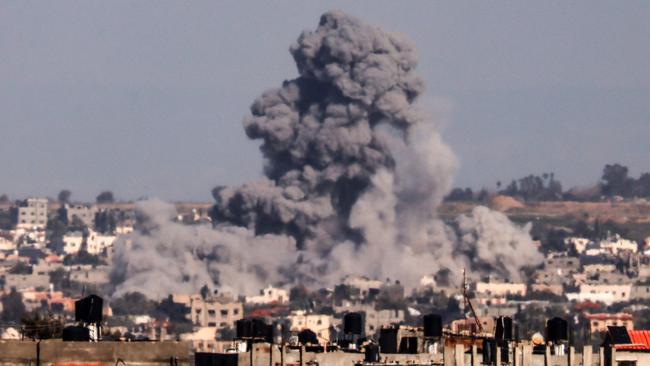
640	341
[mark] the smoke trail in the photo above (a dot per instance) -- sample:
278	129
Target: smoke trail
354	171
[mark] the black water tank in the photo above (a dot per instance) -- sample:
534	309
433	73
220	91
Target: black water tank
261	330
408	345
505	352
215	359
489	349
371	353
89	309
503	330
243	328
353	323
388	340
432	326
76	334
307	336
557	330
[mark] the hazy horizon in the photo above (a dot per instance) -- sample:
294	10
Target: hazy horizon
147	100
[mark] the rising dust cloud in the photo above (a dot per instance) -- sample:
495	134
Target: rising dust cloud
354	173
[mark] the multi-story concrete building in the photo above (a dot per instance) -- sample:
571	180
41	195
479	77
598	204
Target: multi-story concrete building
33	215
616	244
363	286
605	293
317	323
90	275
25	281
83	213
374	319
599	322
501	288
218	311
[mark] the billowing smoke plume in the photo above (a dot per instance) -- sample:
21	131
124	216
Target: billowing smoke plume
354	174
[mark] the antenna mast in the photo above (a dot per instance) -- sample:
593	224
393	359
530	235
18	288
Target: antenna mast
468	303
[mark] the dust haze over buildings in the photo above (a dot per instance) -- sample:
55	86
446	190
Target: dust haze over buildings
354	172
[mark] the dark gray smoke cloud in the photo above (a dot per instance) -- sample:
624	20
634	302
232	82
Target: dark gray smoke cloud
355	171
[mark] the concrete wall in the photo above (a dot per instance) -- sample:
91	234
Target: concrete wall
264	355
57	352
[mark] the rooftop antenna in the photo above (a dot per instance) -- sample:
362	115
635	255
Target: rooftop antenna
468	303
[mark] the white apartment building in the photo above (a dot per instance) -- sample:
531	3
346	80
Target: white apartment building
33	215
96	243
269	295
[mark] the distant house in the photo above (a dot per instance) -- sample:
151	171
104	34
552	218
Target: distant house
605	293
615	244
501	288
625	347
84	213
598	322
318	323
269	295
33	214
580	244
216	312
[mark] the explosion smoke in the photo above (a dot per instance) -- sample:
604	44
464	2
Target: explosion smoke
355	172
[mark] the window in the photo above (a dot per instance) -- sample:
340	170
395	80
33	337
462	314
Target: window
224	312
212	324
211	312
236	311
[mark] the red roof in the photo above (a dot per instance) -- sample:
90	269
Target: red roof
640	341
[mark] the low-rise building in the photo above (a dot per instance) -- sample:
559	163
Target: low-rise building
596	264
580	244
317	323
26	281
33	214
218	311
364	286
640	291
605	293
269	295
90	275
7	244
72	242
97	243
83	213
374	319
501	288
598	322
615	244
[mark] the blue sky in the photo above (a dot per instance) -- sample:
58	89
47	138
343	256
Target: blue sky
146	97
